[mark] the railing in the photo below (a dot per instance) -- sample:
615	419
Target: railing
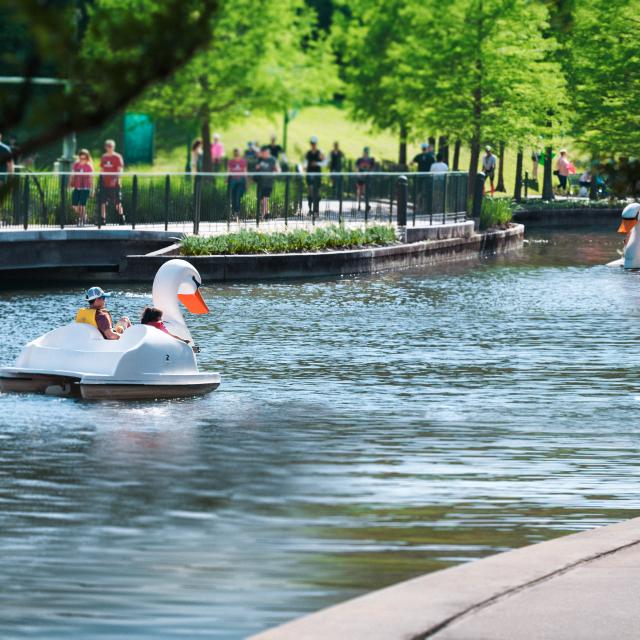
187	201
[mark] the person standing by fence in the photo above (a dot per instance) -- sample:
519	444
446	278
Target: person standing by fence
196	156
364	164
111	167
314	160
489	167
82	183
217	152
237	167
268	165
424	159
563	169
336	158
439	166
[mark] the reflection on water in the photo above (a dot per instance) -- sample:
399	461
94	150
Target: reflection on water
366	430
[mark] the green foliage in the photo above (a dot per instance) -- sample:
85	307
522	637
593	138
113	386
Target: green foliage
481	70
250	66
495	212
108	51
603	58
296	241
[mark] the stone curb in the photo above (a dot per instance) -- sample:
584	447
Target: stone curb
422	607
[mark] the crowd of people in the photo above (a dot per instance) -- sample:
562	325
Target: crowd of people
260	164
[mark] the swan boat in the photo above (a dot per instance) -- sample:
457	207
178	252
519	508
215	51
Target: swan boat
145	363
631	255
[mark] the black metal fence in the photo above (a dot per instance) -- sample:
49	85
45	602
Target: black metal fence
187	201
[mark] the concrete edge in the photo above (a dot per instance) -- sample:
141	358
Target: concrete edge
419	608
80	234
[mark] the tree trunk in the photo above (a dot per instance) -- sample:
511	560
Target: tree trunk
547	181
593	187
456	156
500	187
473	162
432	141
402	151
443	148
517	190
207	163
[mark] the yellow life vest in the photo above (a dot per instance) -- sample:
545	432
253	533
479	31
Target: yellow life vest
87	316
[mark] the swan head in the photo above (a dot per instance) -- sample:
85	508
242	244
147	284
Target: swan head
630	216
178	280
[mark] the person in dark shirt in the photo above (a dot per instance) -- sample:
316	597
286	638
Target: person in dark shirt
364	164
275	149
336	157
314	160
425	158
267	165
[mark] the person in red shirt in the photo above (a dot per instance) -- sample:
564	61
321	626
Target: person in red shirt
82	184
111	166
152	316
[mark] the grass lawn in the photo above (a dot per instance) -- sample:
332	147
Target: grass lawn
328	122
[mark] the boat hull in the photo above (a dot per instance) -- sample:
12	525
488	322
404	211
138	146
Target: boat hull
145	391
77	387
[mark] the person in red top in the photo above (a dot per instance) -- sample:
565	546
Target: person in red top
237	167
111	166
152	316
82	184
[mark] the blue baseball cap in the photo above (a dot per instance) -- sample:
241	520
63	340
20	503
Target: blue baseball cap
96	292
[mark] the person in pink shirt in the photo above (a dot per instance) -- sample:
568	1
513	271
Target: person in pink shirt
217	152
111	166
237	169
82	185
152	316
563	169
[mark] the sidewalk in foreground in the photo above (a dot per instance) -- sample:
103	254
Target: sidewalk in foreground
582	586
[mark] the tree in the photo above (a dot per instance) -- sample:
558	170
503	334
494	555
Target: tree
107	51
248	67
604	80
489	75
365	36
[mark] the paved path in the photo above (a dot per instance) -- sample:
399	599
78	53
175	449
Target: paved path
584	586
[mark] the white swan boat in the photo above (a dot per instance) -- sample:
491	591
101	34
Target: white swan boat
631	255
145	363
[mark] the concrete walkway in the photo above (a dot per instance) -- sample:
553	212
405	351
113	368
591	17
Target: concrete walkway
578	587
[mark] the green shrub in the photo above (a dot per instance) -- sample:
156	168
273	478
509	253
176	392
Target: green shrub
495	212
296	241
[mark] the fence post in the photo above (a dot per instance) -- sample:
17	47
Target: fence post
391	190
402	195
287	186
258	204
167	194
99	202
340	198
196	212
134	201
478	188
63	200
415	197
367	206
25	203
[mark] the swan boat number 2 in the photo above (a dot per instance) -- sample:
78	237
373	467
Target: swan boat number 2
145	363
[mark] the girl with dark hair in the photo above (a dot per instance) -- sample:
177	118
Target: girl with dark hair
153	317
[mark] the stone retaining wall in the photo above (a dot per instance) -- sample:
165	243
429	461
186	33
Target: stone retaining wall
332	263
